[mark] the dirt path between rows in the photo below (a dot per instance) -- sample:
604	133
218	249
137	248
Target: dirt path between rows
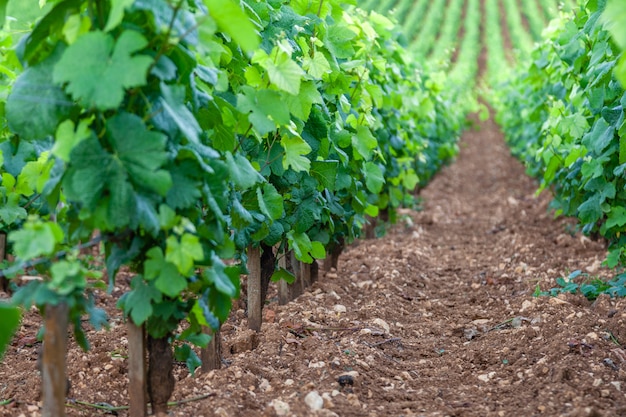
436	318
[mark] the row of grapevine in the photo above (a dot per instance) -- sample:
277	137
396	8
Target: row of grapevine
183	134
449	31
563	115
429	27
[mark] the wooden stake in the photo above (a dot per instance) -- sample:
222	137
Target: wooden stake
53	375
211	355
255	301
138	390
305	274
288	292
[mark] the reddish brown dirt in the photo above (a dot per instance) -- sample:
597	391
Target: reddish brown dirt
437	318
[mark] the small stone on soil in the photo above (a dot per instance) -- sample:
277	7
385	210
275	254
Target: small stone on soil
345	380
314	401
280	407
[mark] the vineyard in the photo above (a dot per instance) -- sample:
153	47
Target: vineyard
312	207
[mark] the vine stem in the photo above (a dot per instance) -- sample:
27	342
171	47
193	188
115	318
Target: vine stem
107	407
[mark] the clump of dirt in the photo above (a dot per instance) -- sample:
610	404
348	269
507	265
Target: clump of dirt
437	318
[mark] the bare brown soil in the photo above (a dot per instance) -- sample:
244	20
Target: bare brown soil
437	318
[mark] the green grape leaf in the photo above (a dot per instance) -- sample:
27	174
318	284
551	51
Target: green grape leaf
3	15
141	151
67	277
185	354
9	323
34	93
319	8
218	275
242	173
301	246
170	282
622	150
270	202
184	192
137	303
173	103
364	143
167	217
615	16
284	73
232	20
317	250
68	136
36	239
146	215
300	105
183	253
599	137
326	173
284	275
267	109
576	124
15	159
617	217
97	69
590	211
317	66
295	149
34	175
11	211
374	178
338	41
306	215
116	15
153	264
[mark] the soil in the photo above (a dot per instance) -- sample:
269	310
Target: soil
436	318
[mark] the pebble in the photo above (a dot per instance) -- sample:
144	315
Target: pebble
526	305
486	377
280	407
339	308
314	401
289	382
265	385
382	323
319	364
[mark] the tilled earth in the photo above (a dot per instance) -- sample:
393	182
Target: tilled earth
436	318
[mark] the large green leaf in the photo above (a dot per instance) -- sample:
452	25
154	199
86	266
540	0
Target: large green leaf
184	252
36	239
117	13
141	151
364	143
374	178
270	201
34	93
10	320
295	149
98	69
173	103
599	137
325	172
242	173
137	303
232	20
